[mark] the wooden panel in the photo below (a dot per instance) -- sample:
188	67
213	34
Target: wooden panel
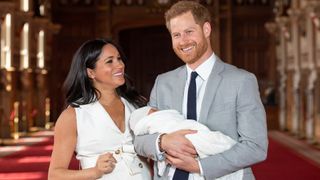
250	44
251	47
272	117
78	24
150	53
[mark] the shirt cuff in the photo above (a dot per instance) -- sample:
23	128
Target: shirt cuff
200	167
160	155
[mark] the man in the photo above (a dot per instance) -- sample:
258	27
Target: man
218	95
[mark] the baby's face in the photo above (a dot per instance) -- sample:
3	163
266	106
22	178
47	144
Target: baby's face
152	110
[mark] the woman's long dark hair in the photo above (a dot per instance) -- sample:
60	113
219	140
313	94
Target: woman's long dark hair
78	87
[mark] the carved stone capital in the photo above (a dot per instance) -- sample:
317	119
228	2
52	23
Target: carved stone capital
312	11
283	23
312	4
294	13
271	27
282	20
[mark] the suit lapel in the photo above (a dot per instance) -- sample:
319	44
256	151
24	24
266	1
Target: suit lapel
178	89
211	89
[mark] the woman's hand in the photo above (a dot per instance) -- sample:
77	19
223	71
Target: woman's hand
105	164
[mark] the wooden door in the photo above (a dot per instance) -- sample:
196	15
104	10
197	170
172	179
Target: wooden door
149	53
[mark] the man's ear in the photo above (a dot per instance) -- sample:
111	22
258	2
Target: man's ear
207	29
90	73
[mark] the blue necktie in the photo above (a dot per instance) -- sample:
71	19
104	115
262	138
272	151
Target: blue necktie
180	174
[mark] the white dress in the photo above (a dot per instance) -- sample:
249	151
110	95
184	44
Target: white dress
97	134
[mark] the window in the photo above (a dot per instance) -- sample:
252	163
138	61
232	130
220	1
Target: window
24	5
6	42
40	54
24	51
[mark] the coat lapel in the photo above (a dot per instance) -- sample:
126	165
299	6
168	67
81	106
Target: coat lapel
211	89
178	90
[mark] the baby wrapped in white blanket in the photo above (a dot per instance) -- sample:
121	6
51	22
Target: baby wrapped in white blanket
145	121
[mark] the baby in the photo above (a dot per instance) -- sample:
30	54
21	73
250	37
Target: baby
147	120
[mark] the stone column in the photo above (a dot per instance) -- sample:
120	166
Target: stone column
294	15
281	57
311	66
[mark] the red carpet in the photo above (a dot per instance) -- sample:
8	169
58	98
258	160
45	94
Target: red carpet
32	163
282	163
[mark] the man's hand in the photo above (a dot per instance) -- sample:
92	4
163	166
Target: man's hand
177	143
183	162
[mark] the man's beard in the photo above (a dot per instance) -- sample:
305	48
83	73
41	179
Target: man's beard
195	55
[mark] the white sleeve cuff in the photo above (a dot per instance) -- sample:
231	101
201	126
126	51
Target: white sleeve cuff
200	167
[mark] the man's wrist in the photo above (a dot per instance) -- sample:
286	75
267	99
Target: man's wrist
160	142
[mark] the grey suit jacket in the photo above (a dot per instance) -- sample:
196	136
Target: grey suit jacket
231	105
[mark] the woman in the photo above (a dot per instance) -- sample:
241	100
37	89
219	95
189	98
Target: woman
95	124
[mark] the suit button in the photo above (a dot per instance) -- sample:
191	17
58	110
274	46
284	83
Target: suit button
140	165
117	151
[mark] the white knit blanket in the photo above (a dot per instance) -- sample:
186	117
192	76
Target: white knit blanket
206	142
